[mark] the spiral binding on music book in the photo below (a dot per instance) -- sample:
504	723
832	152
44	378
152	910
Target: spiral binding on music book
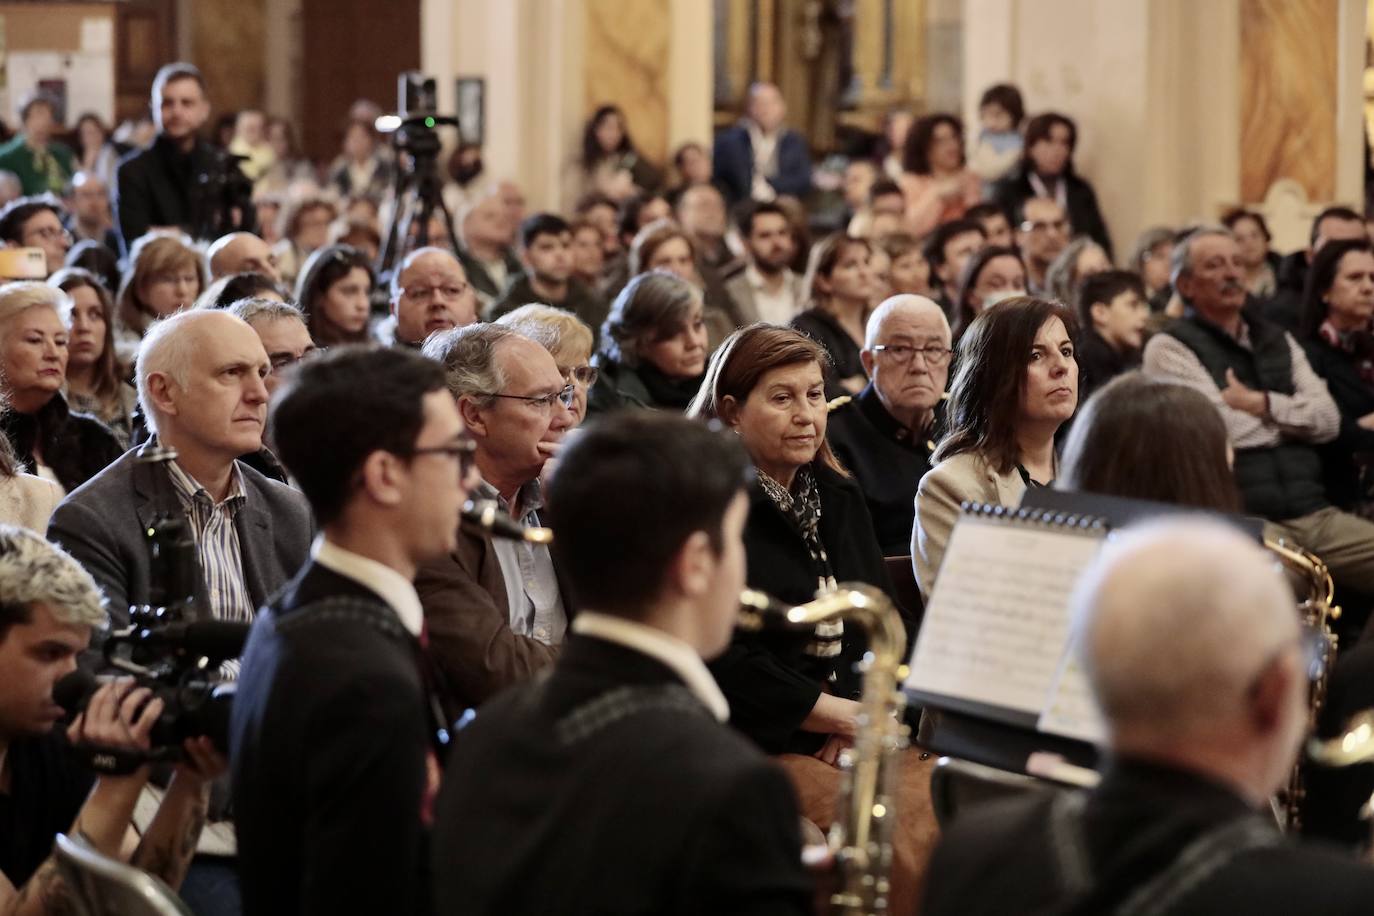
1069	521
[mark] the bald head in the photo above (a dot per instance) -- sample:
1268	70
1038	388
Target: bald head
1191	639
242	252
906	309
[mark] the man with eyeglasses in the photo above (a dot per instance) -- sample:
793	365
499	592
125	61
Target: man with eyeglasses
1043	232
337	733
1197	663
36	222
885	436
496	608
430	293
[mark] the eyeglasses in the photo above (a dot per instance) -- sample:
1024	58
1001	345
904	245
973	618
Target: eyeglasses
425	293
902	354
543	402
281	361
581	375
464	450
49	233
1044	225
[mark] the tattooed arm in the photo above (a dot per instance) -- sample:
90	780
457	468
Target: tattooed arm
170	840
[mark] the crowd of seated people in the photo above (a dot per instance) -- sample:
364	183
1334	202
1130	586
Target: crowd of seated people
693	395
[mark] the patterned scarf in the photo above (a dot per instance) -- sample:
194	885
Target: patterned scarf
803	509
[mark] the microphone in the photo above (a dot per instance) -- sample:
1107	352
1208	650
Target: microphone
73	690
486	515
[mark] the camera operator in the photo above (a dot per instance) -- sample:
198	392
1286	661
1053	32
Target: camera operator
180	180
47	615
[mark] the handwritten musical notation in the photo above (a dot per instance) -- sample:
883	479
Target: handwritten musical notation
997	625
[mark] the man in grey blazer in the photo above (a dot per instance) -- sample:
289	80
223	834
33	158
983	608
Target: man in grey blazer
765	288
200	383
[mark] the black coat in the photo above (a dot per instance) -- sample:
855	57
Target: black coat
659	810
822	327
582	301
1138	819
1355	399
887	461
1014	189
329	737
155	186
770	681
75	445
1284	307
1099	363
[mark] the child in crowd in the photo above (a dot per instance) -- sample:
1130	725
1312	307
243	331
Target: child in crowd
998	149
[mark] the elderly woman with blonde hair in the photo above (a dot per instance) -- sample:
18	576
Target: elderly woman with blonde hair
569	342
48	438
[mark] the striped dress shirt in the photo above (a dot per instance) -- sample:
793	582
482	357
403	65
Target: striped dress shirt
217	543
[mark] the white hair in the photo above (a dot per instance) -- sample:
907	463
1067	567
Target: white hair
259	309
905	303
1181	258
168	347
20	296
33	571
1175	620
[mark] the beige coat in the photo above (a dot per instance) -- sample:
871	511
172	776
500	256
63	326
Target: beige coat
28	501
963	477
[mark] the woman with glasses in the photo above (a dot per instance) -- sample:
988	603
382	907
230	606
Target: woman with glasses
49	439
1001	422
165	275
568	341
653	346
335	293
795	693
96	383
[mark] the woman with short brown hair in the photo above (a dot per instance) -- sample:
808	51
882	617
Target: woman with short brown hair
165	275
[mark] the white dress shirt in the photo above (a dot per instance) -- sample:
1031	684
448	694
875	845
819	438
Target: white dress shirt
392	587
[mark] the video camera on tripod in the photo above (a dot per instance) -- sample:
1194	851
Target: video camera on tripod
222	197
177	659
419	186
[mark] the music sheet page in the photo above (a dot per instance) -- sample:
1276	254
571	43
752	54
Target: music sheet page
998	621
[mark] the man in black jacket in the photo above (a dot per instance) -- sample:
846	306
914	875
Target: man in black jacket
546	250
613	785
1202	731
161	185
1284	307
335	732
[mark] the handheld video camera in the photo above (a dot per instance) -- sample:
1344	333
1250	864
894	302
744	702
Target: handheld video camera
177	659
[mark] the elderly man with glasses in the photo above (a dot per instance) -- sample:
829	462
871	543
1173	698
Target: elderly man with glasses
496	608
886	434
430	292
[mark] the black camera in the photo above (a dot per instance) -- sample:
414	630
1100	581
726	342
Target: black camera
177	659
222	197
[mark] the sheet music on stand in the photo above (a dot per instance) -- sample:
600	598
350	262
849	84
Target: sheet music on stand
995	640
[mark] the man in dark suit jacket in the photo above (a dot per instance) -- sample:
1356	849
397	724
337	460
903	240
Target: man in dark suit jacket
156	186
759	158
201	387
613	785
498	610
335	732
1202	731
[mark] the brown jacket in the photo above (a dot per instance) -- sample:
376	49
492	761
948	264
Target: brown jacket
468	616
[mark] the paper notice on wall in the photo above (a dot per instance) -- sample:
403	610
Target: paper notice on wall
97	35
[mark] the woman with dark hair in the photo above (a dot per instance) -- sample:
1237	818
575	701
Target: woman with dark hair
991	275
653	346
795	693
94	152
1336	336
936	181
610	163
96	382
1001	421
1046	170
50	440
1252	235
334	292
97	258
838	289
1113	448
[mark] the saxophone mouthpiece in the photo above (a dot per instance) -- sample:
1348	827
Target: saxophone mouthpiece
486	515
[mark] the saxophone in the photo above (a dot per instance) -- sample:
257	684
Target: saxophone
1318	610
860	840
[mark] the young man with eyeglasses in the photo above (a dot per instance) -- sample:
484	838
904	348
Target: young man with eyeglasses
1044	231
430	292
886	435
337	732
36	222
497	608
